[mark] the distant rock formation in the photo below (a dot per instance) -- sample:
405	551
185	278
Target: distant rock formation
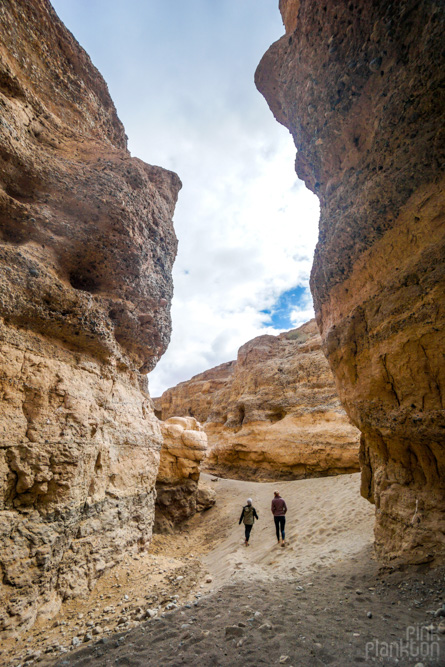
178	495
360	87
86	250
274	413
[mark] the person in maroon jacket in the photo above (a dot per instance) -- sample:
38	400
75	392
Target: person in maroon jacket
279	509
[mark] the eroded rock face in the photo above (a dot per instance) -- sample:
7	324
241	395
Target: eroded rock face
178	495
274	413
360	87
86	249
199	397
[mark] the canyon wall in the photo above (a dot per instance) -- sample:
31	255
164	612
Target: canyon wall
86	250
178	493
360	87
274	413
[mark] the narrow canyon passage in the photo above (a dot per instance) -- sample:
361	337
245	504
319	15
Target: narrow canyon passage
213	601
87	248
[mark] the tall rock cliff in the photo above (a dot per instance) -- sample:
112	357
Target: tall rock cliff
274	413
360	87
86	250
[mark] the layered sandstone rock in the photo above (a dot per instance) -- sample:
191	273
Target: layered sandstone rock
360	86
198	397
86	249
178	494
274	413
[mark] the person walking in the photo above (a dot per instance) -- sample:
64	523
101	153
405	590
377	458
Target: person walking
248	515
279	509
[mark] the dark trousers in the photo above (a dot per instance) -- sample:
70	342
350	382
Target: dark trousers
280	522
247	529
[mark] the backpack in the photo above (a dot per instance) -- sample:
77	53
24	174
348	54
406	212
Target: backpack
248	515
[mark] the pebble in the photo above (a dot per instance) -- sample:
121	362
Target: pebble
369	614
257	614
358	591
439	612
96	630
209	580
75	641
375	64
299	588
265	627
283	659
88	637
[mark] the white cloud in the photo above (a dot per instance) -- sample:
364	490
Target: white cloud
251	239
181	76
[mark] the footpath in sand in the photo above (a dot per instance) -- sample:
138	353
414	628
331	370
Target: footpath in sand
201	597
327	521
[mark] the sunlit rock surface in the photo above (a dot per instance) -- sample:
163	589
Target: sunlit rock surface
360	87
274	413
178	494
86	250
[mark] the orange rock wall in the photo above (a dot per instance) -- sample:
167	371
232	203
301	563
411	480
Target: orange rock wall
274	413
86	250
360	87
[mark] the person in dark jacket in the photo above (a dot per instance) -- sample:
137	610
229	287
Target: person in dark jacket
279	509
248	515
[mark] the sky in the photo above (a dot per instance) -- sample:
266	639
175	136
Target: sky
181	75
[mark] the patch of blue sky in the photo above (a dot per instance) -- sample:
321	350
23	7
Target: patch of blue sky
279	315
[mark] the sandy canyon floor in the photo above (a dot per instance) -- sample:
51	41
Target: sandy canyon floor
200	597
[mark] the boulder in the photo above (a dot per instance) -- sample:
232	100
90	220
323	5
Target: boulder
179	495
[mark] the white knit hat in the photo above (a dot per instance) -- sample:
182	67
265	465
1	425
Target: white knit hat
249	501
